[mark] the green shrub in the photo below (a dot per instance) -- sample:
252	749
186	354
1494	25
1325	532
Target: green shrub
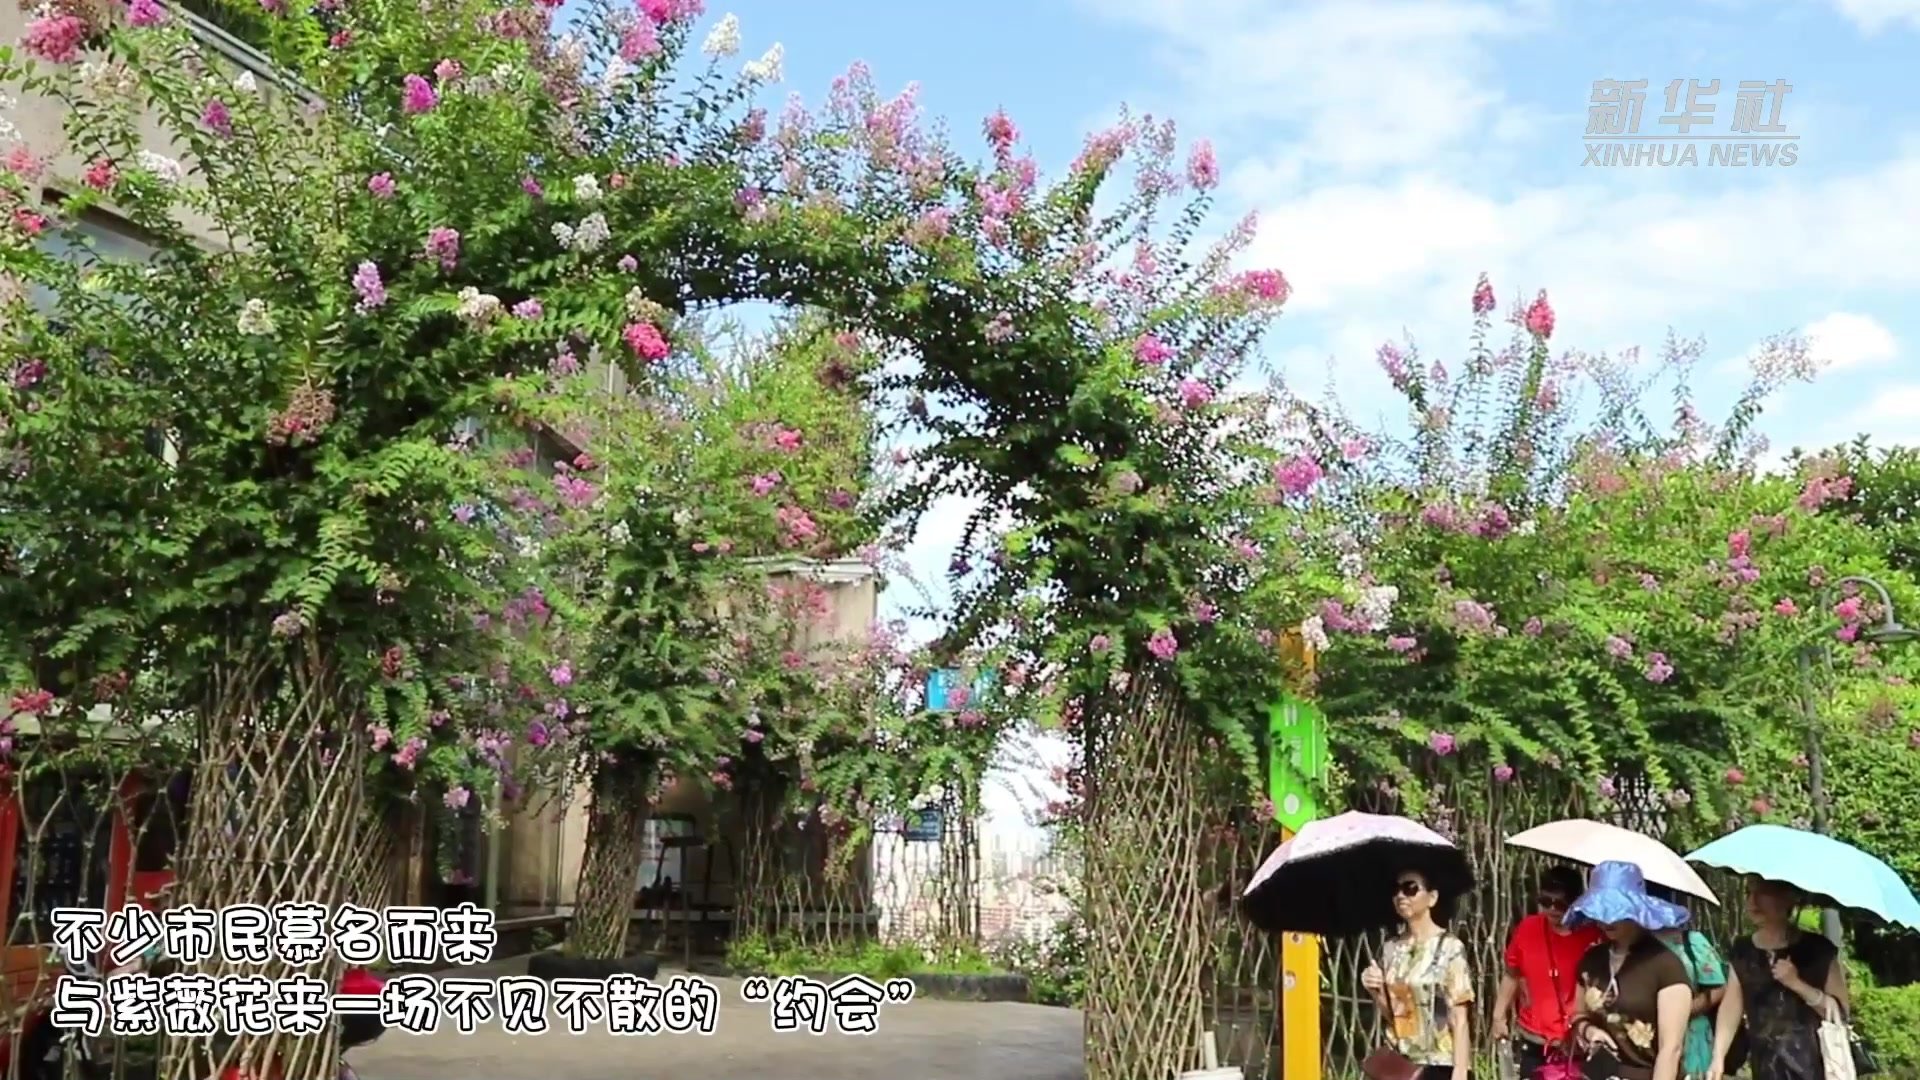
1888	1019
783	956
1055	965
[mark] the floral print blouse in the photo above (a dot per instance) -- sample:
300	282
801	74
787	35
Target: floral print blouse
1625	1001
1424	981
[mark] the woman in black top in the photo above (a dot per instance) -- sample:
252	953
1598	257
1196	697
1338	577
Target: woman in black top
1783	982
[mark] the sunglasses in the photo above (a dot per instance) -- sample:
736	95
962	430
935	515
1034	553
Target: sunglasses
1550	903
1409	888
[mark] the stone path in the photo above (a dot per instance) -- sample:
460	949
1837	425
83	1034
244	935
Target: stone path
923	1040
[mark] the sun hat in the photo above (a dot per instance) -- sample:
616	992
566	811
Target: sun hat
1617	892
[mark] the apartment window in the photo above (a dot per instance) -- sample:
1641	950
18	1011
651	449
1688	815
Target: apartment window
101	237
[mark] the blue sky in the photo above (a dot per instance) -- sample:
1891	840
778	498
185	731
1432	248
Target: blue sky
1395	150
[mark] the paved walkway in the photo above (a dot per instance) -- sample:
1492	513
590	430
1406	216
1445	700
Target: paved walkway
922	1040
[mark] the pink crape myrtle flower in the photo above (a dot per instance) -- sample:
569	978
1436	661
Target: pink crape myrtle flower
55	38
646	341
1482	296
443	246
100	175
145	13
1163	645
1442	743
380	185
1658	669
1151	351
217	118
417	95
1539	317
1297	476
367	284
1203	171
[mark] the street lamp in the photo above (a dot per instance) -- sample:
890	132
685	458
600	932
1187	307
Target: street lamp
1889	632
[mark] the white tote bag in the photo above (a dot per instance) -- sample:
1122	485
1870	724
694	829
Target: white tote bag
1836	1044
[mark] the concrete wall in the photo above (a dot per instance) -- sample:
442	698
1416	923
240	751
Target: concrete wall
41	120
543	841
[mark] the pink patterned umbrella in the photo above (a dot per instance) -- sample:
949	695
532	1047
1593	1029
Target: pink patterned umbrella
1335	877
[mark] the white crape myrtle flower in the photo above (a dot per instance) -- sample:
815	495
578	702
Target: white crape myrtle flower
255	319
164	168
768	68
563	232
1313	631
478	308
592	234
615	74
620	533
586	188
1376	606
724	39
637	302
245	83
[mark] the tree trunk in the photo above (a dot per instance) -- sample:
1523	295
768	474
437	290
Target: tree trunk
278	816
1145	906
610	866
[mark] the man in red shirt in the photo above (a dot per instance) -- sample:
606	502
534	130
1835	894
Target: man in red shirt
1542	956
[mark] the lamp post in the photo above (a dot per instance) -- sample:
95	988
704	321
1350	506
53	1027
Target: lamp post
1889	632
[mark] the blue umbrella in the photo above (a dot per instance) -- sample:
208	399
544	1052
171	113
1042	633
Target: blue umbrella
1818	865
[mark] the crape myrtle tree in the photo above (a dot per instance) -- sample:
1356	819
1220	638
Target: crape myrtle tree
456	188
343	274
670	635
1550	578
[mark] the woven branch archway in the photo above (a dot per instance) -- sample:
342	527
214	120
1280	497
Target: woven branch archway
1146	907
278	814
611	862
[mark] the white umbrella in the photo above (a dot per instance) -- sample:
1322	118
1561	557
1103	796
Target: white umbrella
1594	842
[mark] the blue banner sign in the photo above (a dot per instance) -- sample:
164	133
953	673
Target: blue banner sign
923	825
940	686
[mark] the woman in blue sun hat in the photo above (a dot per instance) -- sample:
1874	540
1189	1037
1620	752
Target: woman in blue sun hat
1634	998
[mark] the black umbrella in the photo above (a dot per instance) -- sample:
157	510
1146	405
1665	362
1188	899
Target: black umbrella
1335	877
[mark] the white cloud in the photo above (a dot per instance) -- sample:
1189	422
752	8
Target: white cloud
1387	188
1616	260
1873	16
1844	340
1362	84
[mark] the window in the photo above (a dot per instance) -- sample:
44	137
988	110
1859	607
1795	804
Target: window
105	237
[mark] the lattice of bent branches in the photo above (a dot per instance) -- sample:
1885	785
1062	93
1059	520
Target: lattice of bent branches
65	784
758	893
611	862
1243	963
278	815
1146	905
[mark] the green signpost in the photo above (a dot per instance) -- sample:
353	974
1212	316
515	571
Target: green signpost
1297	735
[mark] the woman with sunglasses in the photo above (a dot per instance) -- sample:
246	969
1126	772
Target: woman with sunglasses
1423	984
1543	953
1635	999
